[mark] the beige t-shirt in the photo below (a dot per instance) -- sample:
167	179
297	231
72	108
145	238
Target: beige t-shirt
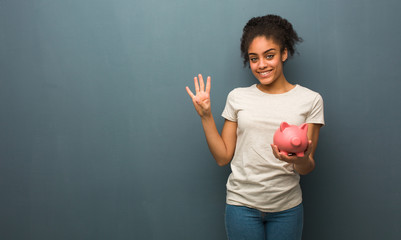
259	180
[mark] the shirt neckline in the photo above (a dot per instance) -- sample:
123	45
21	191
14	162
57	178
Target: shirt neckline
260	92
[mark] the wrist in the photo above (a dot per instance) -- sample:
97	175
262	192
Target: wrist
305	166
305	161
206	116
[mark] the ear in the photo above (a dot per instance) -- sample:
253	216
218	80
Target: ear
304	127
283	126
284	55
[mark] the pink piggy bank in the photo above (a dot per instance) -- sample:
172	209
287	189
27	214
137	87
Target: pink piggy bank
291	139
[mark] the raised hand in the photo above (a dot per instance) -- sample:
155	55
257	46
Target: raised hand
201	98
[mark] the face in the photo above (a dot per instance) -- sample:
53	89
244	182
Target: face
266	60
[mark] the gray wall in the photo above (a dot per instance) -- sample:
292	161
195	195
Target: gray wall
99	140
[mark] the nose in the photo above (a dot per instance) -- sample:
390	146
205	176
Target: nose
262	63
296	141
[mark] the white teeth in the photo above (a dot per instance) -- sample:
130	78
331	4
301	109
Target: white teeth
264	73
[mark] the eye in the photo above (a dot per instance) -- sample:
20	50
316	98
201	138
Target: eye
270	56
253	59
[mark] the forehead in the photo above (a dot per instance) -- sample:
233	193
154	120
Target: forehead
261	44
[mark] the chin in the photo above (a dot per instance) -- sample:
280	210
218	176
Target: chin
266	81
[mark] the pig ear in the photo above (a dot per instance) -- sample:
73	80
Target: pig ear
283	126
304	126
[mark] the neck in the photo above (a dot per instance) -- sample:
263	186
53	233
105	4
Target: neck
279	86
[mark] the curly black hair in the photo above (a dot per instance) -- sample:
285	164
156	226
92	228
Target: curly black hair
269	26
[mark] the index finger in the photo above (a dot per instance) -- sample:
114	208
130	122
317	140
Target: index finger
189	92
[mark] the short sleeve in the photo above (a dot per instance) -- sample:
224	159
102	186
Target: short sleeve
229	111
316	115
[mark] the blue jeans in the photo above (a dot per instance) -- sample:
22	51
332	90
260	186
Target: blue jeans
251	224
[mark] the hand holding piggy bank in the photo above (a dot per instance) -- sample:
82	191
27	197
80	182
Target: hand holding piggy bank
291	139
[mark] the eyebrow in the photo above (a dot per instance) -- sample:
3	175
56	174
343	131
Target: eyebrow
264	52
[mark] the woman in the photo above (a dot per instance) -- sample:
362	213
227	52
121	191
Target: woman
264	198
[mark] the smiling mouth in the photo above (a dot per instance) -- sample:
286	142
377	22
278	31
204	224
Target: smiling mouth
265	73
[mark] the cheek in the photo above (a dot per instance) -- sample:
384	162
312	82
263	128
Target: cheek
252	66
277	63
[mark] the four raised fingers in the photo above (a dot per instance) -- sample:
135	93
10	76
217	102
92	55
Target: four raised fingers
199	86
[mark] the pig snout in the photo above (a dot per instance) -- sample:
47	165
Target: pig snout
296	141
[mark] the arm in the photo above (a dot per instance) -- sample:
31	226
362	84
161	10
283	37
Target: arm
306	164
221	146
